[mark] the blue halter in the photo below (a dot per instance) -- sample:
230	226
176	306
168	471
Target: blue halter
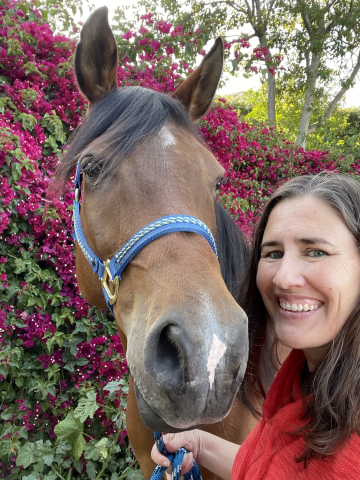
111	270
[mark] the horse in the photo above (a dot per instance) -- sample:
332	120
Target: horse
141	158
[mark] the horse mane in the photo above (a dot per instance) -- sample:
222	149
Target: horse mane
124	117
233	250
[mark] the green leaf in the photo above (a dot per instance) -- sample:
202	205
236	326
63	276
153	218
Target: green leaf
48	459
70	429
26	455
16	170
91	452
101	447
50	476
87	407
90	470
8	413
78	447
7	429
4	371
78	465
134	474
113	387
19	381
62	448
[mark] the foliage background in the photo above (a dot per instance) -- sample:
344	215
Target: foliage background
340	133
62	368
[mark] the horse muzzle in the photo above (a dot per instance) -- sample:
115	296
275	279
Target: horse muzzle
188	379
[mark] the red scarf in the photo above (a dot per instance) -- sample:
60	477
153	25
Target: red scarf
269	452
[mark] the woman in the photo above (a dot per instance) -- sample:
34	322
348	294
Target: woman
303	288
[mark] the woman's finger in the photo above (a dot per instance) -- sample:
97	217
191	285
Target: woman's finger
158	458
186	466
174	441
187	463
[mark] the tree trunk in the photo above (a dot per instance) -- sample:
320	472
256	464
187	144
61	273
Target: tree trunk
305	118
271	100
271	84
309	98
337	97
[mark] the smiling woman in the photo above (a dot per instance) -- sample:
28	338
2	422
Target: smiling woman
308	275
302	290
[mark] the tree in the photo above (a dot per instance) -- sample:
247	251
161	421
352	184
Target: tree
329	32
216	18
318	41
340	134
59	13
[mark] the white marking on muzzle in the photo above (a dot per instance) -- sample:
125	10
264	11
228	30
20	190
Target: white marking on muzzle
167	137
217	351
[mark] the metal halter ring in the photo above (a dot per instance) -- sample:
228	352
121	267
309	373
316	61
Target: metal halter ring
107	277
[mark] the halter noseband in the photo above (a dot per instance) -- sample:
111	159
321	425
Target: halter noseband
111	270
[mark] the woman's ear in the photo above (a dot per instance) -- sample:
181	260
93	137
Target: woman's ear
196	93
96	57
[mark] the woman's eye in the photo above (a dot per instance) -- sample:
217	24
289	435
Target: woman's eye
92	170
273	255
316	253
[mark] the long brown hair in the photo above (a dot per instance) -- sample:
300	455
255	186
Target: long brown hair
333	409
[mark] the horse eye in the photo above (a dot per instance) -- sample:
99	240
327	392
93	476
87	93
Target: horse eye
92	171
218	184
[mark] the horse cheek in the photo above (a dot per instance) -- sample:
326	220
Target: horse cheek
89	284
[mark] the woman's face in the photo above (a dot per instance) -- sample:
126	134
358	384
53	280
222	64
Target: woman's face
308	275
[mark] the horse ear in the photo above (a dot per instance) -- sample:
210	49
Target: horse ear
96	57
197	91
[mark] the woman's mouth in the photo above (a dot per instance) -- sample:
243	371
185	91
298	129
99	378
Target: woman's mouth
304	306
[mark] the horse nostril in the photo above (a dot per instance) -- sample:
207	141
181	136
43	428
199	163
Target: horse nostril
167	365
169	351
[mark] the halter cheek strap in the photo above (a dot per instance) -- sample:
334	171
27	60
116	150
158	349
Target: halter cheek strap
111	270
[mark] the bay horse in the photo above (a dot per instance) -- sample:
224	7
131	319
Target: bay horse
184	334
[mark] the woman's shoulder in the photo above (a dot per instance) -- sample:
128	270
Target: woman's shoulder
280	451
341	465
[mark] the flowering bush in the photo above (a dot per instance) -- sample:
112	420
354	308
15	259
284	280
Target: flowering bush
256	159
62	368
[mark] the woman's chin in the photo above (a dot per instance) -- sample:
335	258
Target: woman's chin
292	337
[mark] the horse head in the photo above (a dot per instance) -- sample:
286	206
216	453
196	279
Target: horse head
185	337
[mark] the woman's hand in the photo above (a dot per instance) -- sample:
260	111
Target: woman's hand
213	453
190	440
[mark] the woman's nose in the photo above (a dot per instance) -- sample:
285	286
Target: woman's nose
289	273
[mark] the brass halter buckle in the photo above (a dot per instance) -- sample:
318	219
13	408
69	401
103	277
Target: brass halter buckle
107	277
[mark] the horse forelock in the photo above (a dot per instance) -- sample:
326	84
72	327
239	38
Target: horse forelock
123	119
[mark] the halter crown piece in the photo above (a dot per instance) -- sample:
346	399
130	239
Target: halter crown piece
111	270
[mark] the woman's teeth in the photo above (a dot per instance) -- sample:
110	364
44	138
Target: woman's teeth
298	308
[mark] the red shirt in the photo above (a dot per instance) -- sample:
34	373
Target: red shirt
269	452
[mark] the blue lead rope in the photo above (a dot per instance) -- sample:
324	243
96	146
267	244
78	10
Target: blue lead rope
175	460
